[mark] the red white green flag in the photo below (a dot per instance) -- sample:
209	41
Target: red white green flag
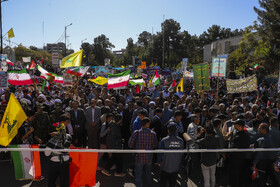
118	81
19	77
32	64
156	79
9	62
58	79
45	74
26	163
78	71
256	66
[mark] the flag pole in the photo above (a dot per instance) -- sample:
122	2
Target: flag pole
217	96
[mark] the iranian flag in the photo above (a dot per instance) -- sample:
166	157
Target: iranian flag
9	62
156	79
256	66
57	78
45	74
118	81
26	163
19	77
78	71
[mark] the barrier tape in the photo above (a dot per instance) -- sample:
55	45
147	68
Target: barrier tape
140	151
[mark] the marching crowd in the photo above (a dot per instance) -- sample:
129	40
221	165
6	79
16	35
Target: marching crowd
161	118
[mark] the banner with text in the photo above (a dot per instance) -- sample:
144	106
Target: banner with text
67	79
248	84
219	67
201	77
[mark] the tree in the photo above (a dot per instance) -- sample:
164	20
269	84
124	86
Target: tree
251	50
172	39
130	51
21	51
145	38
269	28
101	48
87	50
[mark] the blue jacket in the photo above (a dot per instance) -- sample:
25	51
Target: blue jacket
171	162
136	124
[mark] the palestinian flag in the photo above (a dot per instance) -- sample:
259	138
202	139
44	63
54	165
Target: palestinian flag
45	74
9	62
32	64
156	79
172	85
19	77
118	81
78	71
26	163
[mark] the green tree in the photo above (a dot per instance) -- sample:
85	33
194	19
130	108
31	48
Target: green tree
251	50
21	51
87	50
130	51
101	48
269	28
172	40
145	38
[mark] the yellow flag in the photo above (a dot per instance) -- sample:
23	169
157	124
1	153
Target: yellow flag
11	33
13	118
151	79
99	80
180	85
74	59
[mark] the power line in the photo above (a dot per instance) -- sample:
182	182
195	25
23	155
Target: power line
61	37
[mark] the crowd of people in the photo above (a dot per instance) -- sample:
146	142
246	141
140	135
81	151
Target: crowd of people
159	118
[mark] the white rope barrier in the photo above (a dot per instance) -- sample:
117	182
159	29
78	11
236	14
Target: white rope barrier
140	151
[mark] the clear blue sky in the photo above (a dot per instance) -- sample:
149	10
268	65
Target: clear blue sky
117	19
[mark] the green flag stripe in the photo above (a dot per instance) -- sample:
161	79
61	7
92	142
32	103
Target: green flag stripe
119	74
18	163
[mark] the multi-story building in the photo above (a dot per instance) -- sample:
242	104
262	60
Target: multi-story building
57	47
220	47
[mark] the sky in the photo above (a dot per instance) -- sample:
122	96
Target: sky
37	22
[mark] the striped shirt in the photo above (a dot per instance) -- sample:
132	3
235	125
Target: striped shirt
145	139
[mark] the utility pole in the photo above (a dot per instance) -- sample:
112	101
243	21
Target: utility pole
1	36
66	36
163	42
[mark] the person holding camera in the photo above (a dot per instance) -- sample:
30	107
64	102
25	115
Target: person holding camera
59	161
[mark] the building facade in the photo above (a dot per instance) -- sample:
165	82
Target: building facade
220	47
57	47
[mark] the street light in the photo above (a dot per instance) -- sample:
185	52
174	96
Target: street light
1	1
83	41
66	36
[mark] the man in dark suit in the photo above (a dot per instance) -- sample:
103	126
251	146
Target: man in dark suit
127	116
93	114
156	124
78	120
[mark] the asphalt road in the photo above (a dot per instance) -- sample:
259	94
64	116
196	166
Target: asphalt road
7	176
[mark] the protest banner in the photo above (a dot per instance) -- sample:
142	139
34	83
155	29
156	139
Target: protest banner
3	79
184	64
201	77
219	67
67	79
248	84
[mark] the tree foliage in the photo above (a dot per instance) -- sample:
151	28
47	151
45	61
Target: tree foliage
21	51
